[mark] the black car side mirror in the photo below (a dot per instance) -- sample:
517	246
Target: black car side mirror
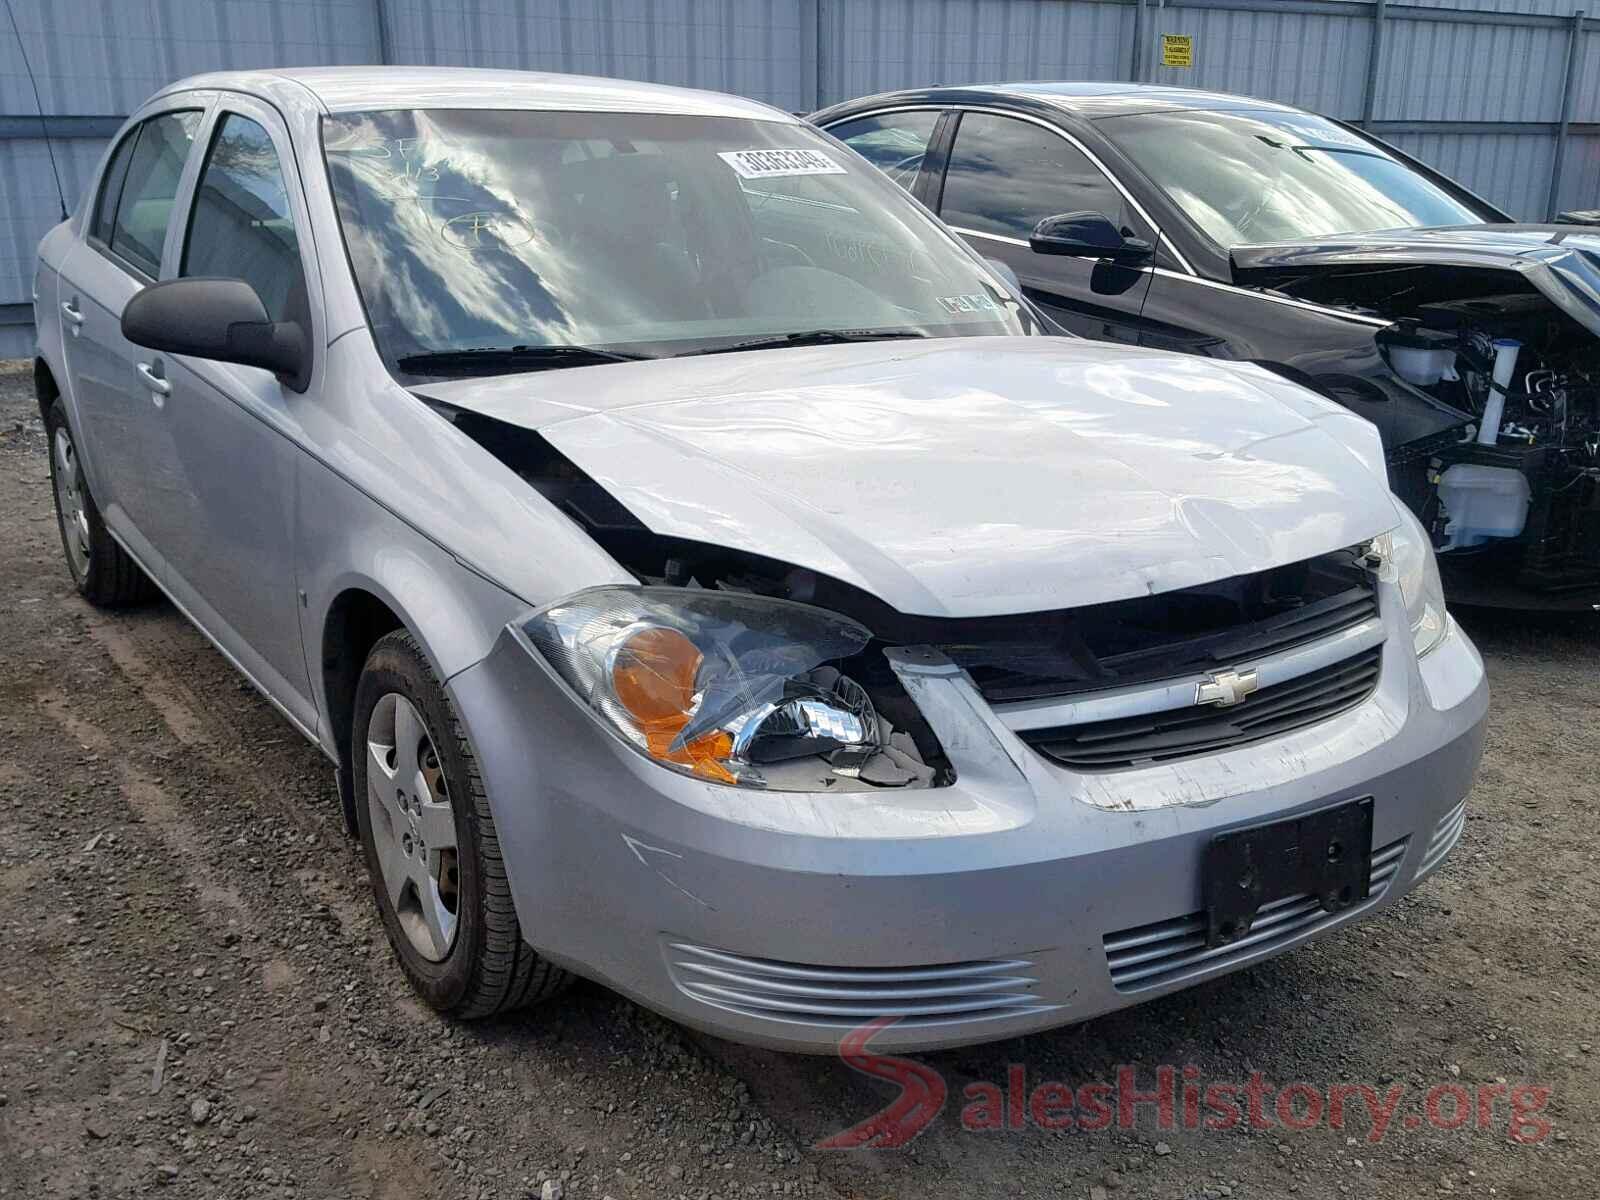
1088	235
221	319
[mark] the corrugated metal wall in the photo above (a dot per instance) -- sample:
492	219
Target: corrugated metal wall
752	47
1475	87
876	45
1315	61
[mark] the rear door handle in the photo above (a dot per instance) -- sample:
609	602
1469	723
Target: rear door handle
69	309
153	381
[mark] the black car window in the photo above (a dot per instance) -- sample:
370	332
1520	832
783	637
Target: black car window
105	207
139	228
895	143
243	227
1006	175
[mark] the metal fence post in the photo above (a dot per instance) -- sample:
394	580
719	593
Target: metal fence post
810	55
380	10
1136	58
1574	53
1369	98
820	83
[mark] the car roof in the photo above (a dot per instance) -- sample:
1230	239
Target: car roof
355	89
1092	99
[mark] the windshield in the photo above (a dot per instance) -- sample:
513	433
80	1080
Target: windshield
628	233
1249	177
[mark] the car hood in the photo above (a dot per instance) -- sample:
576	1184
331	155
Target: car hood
1561	261
966	476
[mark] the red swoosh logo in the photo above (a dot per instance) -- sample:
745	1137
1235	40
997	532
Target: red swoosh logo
921	1098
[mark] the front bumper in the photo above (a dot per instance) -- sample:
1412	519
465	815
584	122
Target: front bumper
1022	897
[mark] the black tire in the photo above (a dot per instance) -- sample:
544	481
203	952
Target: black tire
108	577
489	968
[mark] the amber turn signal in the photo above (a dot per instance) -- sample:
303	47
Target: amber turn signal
653	677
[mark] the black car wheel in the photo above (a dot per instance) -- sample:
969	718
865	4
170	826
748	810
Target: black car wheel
432	854
104	573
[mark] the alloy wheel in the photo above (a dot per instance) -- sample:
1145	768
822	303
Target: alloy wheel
413	826
70	505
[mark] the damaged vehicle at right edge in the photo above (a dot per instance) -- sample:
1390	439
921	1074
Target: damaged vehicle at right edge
1498	326
1235	228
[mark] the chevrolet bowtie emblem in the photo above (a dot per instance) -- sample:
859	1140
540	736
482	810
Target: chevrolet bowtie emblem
1225	688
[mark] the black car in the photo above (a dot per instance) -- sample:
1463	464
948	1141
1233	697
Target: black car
1242	229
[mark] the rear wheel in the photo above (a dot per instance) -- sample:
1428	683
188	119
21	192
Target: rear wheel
103	572
429	839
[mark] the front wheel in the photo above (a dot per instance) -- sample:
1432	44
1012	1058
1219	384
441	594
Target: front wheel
430	844
102	571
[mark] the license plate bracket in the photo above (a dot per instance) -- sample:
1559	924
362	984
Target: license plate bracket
1325	854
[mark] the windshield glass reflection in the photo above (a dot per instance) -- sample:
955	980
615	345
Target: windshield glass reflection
1248	177
637	233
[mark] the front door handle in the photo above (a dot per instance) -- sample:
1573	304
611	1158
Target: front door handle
69	309
153	381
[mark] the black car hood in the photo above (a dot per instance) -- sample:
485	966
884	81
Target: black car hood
1560	261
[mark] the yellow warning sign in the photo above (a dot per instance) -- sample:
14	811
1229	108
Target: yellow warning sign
1177	50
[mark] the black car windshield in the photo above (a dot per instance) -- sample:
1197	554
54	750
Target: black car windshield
507	232
1252	176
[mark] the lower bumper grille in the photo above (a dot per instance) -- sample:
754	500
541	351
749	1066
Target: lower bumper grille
847	996
1199	729
1175	950
1443	840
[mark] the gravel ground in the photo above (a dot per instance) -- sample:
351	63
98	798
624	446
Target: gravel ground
197	996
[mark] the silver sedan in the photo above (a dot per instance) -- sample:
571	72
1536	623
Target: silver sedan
704	575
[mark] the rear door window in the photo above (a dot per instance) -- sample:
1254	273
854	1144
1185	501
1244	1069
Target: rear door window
105	209
144	207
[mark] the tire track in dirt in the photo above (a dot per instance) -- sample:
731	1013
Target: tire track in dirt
153	807
144	651
170	698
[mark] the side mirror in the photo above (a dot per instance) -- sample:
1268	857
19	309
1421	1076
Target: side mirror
221	319
1088	235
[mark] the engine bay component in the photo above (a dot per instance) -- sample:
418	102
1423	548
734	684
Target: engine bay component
1516	492
1494	408
1482	503
1420	356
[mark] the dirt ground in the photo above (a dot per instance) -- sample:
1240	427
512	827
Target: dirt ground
196	995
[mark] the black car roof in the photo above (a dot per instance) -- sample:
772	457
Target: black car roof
1089	99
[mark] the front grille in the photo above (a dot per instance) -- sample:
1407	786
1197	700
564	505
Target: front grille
846	996
1203	729
1175	950
1167	636
1443	840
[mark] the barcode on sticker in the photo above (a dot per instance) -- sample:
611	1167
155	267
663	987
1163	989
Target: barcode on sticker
766	164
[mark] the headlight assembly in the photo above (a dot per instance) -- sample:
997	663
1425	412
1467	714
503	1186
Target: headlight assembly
726	687
1409	561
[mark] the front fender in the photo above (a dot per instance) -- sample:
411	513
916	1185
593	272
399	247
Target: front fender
348	541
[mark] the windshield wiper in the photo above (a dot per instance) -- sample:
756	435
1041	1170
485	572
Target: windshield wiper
811	337
496	360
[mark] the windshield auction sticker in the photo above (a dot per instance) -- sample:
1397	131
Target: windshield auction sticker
769	164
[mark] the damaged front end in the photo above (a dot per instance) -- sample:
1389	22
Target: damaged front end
740	669
1510	494
717	665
